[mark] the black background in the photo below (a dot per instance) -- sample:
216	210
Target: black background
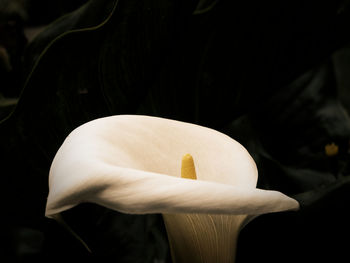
268	74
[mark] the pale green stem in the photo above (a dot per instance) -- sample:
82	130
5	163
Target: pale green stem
202	238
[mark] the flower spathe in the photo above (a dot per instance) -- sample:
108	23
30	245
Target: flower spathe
130	163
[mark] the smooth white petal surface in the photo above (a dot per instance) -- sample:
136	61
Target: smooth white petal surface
132	164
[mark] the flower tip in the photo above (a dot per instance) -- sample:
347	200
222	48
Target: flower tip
187	167
291	204
296	205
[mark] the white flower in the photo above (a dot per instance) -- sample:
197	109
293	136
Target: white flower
132	164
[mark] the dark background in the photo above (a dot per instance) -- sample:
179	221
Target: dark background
273	75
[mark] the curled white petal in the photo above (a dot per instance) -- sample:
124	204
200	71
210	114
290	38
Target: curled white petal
132	164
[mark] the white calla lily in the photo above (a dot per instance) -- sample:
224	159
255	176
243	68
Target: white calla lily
132	164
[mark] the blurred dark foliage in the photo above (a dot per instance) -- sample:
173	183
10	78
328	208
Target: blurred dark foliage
261	72
16	16
41	12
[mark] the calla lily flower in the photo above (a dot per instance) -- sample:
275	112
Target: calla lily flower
132	164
